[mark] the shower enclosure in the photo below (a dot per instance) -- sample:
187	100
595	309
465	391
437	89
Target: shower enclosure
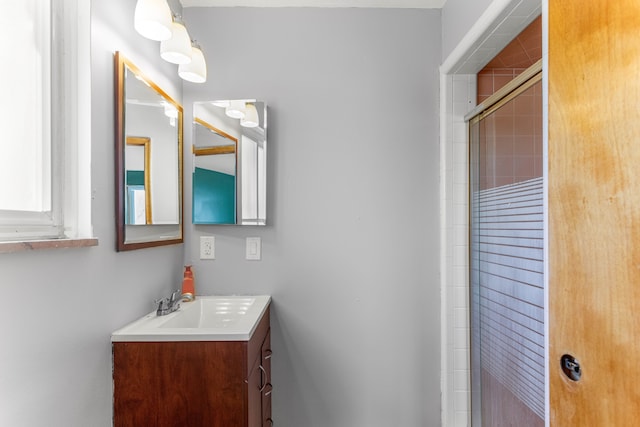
506	256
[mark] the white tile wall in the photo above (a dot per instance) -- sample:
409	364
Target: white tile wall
494	30
460	98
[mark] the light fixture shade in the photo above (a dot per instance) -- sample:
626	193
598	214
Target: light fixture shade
152	19
250	119
196	70
235	110
177	49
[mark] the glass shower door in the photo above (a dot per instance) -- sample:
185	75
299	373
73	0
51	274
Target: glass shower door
506	261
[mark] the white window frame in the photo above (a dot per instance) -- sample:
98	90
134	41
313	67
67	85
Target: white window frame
70	218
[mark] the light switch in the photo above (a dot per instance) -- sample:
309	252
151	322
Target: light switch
254	248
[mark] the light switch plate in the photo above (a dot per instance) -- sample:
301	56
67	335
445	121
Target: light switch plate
207	247
254	248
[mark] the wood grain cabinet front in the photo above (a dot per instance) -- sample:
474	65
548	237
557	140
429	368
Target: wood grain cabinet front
192	384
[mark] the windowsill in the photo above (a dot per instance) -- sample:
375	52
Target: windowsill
32	245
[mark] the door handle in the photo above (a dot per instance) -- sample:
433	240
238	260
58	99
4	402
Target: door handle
263	378
571	367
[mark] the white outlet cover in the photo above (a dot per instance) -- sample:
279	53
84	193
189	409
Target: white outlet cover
207	247
254	248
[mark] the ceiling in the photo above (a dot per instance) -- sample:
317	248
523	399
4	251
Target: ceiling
413	4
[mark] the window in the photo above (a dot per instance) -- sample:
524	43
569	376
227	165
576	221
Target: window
45	146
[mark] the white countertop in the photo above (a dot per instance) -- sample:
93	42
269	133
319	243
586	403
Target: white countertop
207	318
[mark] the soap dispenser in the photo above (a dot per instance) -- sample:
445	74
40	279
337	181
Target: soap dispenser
188	286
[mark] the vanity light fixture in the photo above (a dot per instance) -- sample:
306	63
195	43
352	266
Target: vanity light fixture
152	19
236	109
250	119
196	70
177	49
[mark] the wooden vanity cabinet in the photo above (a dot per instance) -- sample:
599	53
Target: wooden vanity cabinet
267	388
192	384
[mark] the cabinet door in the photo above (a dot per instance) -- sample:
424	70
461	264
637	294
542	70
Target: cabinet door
268	387
254	395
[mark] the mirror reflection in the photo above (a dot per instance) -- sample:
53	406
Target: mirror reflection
149	161
137	157
229	173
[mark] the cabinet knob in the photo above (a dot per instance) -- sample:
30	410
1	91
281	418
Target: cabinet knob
267	354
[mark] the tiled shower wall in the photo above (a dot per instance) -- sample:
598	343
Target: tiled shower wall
459	99
512	141
489	35
521	53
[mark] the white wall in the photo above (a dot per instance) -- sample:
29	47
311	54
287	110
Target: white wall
458	16
60	306
351	251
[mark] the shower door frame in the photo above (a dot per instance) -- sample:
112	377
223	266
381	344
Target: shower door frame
526	80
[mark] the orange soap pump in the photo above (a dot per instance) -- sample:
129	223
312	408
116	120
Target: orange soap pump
188	287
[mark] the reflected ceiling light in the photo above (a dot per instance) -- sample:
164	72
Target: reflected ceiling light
250	119
221	104
196	70
235	110
177	49
152	19
170	111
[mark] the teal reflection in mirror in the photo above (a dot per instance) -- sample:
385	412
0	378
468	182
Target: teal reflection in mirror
137	161
214	175
229	162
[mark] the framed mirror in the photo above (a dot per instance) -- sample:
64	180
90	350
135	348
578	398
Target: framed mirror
230	162
148	161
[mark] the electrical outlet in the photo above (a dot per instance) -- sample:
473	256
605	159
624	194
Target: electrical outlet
207	247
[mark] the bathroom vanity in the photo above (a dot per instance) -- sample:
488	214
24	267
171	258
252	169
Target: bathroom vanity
208	364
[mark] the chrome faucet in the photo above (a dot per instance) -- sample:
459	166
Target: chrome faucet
168	305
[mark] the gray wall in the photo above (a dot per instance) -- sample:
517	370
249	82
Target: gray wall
351	252
458	16
60	306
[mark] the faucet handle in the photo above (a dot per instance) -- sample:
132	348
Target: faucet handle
162	305
175	296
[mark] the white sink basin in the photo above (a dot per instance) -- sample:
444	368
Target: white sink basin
208	318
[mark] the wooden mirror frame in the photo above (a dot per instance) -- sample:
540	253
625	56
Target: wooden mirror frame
221	149
154	239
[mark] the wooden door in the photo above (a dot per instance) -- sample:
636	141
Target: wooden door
594	210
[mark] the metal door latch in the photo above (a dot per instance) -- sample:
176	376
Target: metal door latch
571	367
